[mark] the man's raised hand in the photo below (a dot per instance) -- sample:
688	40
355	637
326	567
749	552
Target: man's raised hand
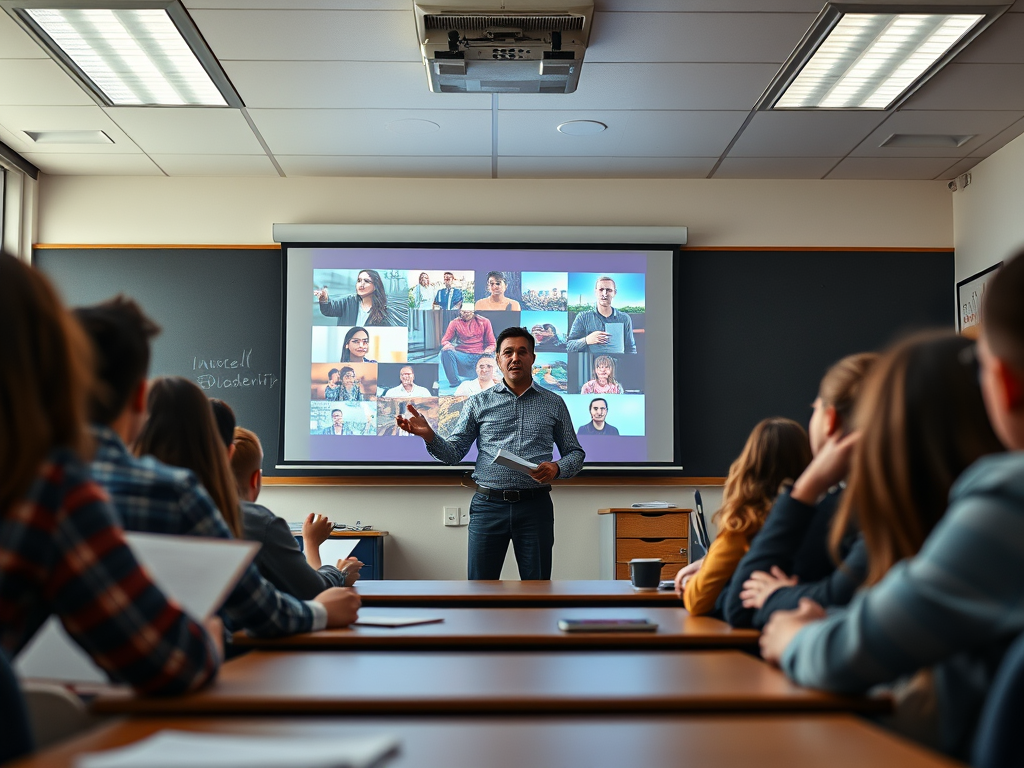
416	424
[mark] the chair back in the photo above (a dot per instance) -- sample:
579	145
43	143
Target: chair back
998	742
15	733
699	528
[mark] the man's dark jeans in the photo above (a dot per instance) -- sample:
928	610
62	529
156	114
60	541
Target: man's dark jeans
528	523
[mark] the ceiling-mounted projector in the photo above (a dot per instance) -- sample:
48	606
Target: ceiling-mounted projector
523	46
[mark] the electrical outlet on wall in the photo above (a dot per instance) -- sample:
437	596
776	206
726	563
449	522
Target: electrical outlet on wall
464	516
451	516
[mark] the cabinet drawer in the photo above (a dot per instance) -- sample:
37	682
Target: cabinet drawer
669	550
638	525
668	571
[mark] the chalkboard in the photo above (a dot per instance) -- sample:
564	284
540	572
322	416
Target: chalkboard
755	329
219	308
758	329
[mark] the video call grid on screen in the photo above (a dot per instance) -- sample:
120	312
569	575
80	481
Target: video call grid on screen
349	371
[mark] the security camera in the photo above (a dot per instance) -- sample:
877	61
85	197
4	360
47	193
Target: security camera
952	185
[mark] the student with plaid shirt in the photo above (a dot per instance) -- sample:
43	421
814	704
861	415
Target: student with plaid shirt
61	549
154	497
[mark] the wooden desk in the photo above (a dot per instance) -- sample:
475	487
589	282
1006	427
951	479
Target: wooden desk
332	682
660	533
722	741
517	629
510	594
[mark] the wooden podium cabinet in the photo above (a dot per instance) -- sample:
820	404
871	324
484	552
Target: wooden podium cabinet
660	533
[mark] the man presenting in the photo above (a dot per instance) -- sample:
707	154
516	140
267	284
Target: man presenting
408	387
598	425
588	329
448	297
466	338
509	505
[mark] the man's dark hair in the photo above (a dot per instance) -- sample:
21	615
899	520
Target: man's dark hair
332	372
595	400
1003	312
514	333
449	273
225	418
120	334
337	410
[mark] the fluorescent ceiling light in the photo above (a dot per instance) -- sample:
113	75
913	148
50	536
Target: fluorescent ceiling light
141	56
855	60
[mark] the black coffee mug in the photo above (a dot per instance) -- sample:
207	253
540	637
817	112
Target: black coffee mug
645	572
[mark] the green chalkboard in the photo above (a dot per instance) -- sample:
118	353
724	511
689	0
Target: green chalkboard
219	308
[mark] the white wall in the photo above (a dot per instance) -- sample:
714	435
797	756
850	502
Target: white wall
840	214
987	215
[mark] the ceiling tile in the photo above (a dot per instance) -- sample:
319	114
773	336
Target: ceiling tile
187	131
999	141
20	119
215	165
696	37
804	134
310	35
454	167
714	6
363	132
1001	43
604	167
962	166
315	5
629	134
984	125
891	167
656	86
16	43
93	165
343	85
775	167
25	82
972	86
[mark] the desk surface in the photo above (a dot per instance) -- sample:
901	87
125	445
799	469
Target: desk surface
724	741
400	683
513	629
495	594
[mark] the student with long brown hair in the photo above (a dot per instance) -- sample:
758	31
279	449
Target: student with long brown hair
791	557
62	550
776	450
921	422
181	431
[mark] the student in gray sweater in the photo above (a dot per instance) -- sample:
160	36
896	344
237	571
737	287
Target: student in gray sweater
944	585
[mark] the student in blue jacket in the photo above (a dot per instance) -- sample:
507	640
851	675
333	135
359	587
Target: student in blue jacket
790	558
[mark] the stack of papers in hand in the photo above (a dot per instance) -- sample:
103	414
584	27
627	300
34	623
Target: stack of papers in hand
181	749
652	505
510	460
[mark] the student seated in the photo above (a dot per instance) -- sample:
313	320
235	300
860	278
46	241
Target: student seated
790	557
280	560
61	548
151	496
943	586
776	450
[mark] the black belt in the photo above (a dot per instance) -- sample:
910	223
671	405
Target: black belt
514	494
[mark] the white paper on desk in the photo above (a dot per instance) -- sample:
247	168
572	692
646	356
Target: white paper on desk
510	460
181	749
333	550
616	343
396	621
198	573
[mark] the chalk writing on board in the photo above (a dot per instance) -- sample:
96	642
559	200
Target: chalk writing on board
232	372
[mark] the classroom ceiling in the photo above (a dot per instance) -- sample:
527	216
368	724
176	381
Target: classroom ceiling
337	88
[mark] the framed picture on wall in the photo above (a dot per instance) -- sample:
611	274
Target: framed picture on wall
968	301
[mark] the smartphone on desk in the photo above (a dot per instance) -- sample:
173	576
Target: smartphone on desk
668	585
607	625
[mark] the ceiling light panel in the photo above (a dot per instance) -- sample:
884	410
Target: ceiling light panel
142	56
859	60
